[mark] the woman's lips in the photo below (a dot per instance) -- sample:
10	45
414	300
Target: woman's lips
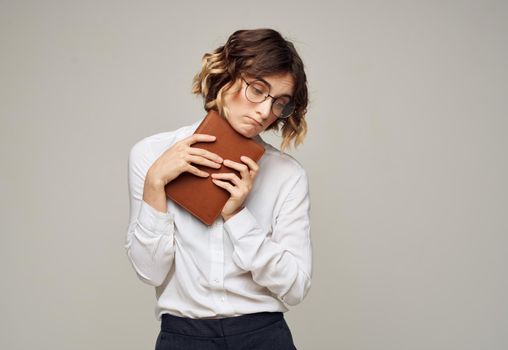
254	121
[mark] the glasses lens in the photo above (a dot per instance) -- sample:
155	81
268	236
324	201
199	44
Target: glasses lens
257	91
283	107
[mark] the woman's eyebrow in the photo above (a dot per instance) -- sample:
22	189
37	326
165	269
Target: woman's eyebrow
270	86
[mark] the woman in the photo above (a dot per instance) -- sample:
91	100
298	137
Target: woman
226	286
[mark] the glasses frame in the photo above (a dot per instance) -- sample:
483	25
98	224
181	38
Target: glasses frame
266	96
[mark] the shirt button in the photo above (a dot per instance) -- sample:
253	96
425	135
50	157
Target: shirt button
216	280
223	299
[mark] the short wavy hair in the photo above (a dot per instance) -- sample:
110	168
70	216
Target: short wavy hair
255	52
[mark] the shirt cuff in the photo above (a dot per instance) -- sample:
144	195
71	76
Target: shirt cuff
240	224
155	221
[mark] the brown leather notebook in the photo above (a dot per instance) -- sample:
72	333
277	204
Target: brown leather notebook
198	195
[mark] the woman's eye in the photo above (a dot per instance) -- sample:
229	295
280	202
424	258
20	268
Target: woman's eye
281	102
258	92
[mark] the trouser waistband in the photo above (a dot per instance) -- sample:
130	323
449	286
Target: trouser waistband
218	327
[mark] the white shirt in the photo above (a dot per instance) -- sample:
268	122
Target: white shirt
258	260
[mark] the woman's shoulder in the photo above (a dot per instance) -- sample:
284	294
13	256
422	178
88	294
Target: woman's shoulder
157	143
281	162
275	155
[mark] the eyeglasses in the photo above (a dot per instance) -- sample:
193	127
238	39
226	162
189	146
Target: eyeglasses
258	92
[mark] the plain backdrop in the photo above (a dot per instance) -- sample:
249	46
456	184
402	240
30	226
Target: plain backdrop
406	156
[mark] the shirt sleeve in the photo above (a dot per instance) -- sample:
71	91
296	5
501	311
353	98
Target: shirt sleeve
282	260
150	234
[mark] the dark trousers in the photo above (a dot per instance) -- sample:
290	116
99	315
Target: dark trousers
260	331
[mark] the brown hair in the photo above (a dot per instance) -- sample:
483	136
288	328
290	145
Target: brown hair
256	52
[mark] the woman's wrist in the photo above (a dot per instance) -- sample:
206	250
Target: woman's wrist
226	217
154	183
154	194
154	180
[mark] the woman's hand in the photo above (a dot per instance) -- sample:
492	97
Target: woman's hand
178	158
238	187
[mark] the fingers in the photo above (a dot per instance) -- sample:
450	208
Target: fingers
198	138
202	161
179	158
254	167
193	170
204	153
225	185
249	170
242	168
228	176
239	188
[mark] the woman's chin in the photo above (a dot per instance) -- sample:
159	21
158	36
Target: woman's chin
248	131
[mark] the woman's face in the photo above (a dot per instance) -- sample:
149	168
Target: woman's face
250	118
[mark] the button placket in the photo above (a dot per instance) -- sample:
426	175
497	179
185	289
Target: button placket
217	256
217	267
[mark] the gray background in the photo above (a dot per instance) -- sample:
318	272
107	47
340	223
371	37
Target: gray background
406	156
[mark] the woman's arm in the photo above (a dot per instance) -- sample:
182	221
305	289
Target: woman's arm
281	262
150	235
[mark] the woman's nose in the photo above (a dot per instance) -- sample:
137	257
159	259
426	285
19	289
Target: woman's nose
264	108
